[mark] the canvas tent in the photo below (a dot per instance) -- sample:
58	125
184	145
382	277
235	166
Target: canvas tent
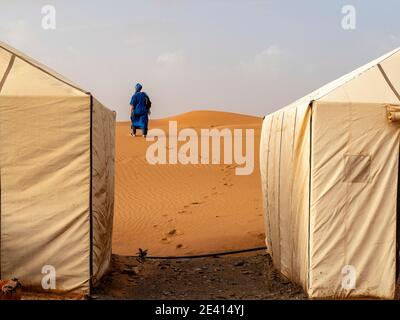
329	167
57	178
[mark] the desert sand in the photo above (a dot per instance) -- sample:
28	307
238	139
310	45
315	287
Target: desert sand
180	210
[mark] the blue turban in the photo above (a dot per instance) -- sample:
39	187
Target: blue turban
138	87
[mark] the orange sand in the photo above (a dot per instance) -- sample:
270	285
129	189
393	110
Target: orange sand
185	209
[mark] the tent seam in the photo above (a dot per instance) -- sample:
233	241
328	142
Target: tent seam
390	84
90	198
279	192
291	193
7	72
309	201
268	152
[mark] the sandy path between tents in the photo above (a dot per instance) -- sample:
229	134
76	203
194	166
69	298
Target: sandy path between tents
185	209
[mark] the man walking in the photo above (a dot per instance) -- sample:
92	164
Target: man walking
140	111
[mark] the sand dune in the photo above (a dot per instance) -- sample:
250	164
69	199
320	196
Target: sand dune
185	209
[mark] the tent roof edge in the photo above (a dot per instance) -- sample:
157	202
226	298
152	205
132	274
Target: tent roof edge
339	82
41	67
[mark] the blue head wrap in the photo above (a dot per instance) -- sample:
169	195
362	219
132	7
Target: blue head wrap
138	87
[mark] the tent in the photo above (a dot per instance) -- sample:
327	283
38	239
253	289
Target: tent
329	167
56	179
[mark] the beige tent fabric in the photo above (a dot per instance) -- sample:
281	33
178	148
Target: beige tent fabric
27	80
299	199
329	173
5	58
354	197
355	91
390	68
56	177
45	166
103	150
285	156
264	154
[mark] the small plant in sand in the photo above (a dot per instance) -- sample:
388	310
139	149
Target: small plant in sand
142	254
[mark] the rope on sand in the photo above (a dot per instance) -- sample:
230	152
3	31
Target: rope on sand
225	253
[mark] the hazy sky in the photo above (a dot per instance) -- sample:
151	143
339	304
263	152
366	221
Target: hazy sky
247	56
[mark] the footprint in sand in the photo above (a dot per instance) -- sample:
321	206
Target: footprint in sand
260	236
165	241
172	232
188	206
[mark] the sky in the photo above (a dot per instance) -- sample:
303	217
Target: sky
245	56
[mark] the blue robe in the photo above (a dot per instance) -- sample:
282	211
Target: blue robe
140	114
